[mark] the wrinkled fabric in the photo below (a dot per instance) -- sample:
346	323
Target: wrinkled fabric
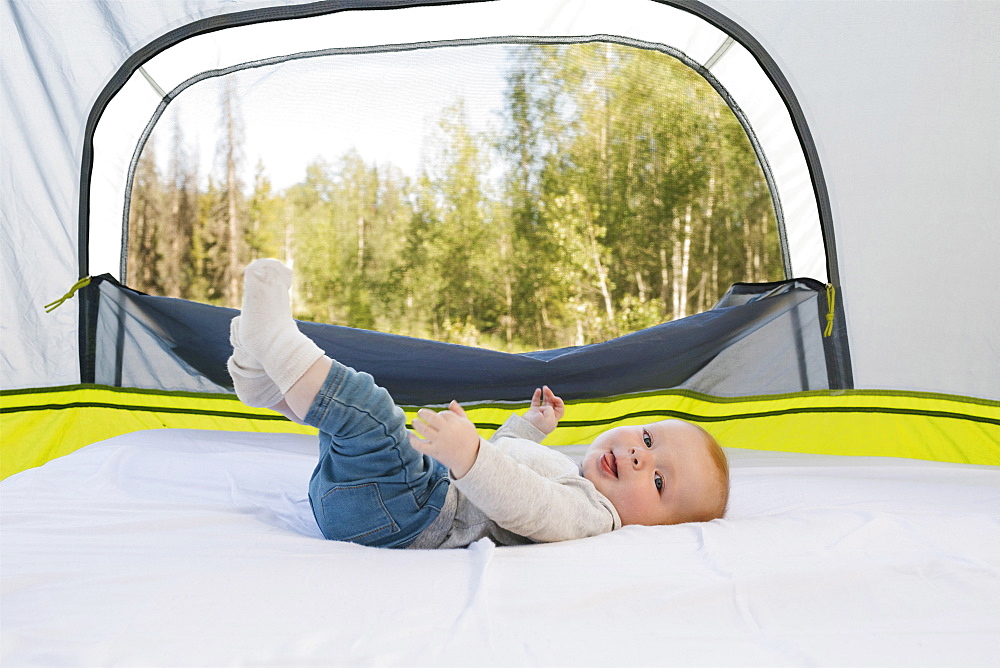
178	547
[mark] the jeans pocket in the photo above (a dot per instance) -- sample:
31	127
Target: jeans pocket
355	513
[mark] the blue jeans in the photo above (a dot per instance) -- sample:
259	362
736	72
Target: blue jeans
370	486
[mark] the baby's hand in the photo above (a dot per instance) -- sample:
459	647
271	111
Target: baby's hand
449	437
546	410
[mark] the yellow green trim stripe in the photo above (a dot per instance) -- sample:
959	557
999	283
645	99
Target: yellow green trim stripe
39	425
44	423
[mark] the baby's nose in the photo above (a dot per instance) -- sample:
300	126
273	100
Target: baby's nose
638	456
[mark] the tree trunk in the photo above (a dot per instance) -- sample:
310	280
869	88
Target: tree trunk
675	263
748	250
703	296
685	265
640	285
172	276
508	288
715	273
765	259
664	278
361	246
543	326
602	278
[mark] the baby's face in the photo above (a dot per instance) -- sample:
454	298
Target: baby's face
660	473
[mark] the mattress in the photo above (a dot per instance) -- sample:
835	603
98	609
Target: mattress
185	547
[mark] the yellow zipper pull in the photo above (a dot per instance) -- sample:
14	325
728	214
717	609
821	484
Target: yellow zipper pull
831	300
82	283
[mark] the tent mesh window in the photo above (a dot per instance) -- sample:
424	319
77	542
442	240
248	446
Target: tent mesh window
507	196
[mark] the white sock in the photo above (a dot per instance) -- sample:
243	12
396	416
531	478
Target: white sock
252	384
267	330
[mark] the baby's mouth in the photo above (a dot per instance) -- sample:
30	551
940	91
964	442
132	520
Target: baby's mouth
610	464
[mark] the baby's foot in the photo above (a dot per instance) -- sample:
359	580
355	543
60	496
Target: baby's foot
266	305
251	382
267	330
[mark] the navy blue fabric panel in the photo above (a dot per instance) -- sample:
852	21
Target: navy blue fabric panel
422	372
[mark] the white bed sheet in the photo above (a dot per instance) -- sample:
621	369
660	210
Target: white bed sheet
179	547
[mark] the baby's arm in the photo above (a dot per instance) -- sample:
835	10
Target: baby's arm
546	410
555	506
449	437
512	494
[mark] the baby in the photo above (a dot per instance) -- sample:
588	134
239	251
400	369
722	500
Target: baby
378	484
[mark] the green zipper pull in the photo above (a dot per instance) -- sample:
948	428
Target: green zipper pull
831	301
82	283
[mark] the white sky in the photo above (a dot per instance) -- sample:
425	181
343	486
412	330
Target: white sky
384	105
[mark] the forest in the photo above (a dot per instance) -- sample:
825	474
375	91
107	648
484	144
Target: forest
620	192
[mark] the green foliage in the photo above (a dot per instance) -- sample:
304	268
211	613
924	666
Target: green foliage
629	195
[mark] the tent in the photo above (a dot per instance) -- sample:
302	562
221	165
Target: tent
865	372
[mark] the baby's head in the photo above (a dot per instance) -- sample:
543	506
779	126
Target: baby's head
666	472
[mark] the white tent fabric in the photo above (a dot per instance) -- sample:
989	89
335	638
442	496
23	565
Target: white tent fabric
56	59
897	97
178	547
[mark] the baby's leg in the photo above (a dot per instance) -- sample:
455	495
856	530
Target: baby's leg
252	384
255	388
302	394
370	486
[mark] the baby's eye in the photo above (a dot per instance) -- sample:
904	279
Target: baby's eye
658	481
647	440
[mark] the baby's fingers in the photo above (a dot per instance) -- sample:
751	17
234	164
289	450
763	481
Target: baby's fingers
421	428
536	398
417	443
425	447
426	422
558	405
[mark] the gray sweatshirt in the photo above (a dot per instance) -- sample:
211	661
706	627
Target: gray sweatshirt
519	492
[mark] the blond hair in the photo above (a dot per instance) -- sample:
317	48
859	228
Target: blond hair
721	462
